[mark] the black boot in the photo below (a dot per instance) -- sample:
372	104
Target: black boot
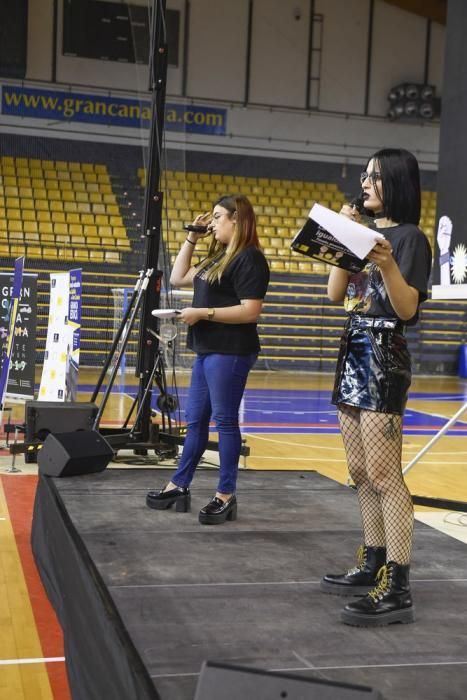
362	578
390	601
161	500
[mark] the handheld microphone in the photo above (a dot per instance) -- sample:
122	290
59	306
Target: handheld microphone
357	202
196	228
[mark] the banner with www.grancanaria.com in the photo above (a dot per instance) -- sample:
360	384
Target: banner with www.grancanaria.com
56	105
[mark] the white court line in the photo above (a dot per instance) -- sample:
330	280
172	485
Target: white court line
265	583
46	660
331	668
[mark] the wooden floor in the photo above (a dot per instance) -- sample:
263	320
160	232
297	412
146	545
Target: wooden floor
280	433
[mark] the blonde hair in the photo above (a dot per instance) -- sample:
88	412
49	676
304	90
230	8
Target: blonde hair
220	255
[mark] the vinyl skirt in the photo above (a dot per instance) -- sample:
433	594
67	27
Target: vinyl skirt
373	367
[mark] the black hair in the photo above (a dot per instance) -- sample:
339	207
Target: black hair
400	179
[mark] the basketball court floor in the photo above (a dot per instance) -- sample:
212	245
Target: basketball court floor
290	426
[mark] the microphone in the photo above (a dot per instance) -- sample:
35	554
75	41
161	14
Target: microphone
196	228
357	202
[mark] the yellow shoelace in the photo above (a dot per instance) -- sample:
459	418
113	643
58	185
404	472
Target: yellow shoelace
383	583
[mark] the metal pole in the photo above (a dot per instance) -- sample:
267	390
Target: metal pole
148	346
434	439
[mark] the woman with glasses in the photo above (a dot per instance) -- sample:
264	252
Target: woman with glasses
229	288
373	376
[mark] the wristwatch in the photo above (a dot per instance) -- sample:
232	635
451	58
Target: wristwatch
211	314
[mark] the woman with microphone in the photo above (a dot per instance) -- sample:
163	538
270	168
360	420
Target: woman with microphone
371	386
229	288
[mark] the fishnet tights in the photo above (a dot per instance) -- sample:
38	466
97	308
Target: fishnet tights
373	446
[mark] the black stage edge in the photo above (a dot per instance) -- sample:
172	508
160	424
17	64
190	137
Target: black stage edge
145	597
101	659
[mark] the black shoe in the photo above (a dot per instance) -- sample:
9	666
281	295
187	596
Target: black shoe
218	511
390	601
362	578
161	500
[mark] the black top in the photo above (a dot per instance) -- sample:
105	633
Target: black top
246	277
366	294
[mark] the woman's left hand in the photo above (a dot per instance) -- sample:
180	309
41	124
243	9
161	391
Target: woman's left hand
190	315
381	254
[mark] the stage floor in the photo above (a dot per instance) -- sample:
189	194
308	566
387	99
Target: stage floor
248	593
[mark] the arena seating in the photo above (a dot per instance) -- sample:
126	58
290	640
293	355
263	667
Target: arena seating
281	207
59	210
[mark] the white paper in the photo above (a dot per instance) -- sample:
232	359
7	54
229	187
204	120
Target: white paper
357	238
165	313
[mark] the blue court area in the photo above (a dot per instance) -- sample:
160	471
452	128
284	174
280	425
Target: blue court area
305	411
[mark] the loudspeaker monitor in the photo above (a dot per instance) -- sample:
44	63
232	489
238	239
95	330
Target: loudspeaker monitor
44	417
243	682
74	454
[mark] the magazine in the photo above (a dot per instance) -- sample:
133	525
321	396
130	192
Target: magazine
335	239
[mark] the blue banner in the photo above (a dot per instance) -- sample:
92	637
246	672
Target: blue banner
56	105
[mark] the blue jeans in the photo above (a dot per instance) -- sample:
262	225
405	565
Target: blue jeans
217	386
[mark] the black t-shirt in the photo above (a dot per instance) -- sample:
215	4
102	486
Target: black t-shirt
366	294
246	277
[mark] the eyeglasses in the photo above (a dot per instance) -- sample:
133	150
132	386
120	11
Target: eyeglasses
373	177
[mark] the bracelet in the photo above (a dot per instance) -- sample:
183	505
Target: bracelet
188	241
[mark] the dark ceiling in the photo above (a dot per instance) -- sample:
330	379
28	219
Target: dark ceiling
431	9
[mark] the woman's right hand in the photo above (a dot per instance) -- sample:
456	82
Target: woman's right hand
201	220
350	212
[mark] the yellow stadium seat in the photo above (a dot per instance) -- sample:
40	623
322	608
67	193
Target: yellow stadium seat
98	208
17	250
75	229
34	252
90	230
104	231
58	206
120	232
65	185
81	254
58	217
30	226
60	229
15	234
4	250
102	219
112	209
96	256
112	256
87	219
62	239
49	253
43	216
72	217
123	243
82	196
100	168
28	215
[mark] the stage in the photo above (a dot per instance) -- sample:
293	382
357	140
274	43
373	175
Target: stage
144	596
